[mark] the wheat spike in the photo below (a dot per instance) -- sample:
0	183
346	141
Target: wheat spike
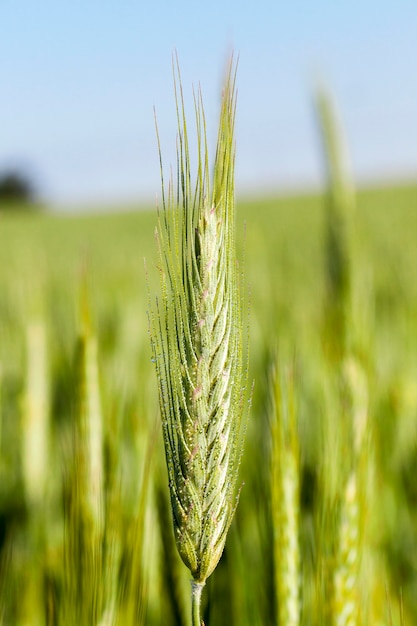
346	601
197	343
340	204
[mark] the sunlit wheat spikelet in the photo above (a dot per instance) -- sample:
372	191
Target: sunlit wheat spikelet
285	504
197	344
345	610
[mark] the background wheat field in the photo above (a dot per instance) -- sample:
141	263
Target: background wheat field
85	524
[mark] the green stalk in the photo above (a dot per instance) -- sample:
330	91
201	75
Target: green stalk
196	589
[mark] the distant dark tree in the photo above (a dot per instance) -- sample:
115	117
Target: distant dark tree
16	189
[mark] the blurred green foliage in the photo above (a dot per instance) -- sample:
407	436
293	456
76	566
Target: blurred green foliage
46	261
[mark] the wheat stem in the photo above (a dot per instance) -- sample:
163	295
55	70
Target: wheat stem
196	590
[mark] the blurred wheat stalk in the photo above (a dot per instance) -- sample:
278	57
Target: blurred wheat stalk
197	343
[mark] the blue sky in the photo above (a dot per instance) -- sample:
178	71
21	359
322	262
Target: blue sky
79	81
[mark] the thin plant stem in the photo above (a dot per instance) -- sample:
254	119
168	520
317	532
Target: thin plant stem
196	589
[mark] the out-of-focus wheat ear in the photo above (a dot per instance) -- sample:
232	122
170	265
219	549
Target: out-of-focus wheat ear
35	432
36	422
340	199
90	421
346	592
347	601
84	523
285	499
339	176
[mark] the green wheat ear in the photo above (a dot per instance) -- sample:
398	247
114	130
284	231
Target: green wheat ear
197	342
285	495
340	205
